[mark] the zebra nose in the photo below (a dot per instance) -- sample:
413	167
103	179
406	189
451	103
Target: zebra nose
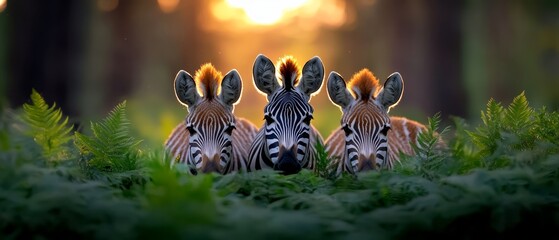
283	149
367	163
287	161
211	164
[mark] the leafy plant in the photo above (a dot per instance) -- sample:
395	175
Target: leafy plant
111	148
47	127
323	167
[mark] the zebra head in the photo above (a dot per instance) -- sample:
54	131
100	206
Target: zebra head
210	121
365	119
288	113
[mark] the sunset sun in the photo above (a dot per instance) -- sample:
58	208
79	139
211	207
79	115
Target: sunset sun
265	12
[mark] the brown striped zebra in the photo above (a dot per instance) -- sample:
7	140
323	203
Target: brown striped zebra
367	133
287	141
211	138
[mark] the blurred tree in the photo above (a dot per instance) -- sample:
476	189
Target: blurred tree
45	48
3	59
420	39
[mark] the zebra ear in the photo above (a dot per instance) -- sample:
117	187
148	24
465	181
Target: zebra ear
392	91
337	91
313	76
264	75
231	88
185	89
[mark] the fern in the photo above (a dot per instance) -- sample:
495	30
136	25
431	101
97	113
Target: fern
110	149
427	148
485	136
518	115
323	167
462	148
506	130
47	127
546	126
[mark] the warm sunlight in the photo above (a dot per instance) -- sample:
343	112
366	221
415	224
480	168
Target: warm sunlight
168	6
3	5
303	14
266	12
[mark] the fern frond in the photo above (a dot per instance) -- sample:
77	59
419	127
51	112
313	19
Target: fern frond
111	147
47	127
518	115
486	135
324	167
546	126
494	113
427	147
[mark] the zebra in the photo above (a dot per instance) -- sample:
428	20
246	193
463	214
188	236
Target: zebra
367	133
287	141
211	138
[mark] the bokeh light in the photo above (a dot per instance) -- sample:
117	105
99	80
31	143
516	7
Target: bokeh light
266	12
3	4
168	6
269	12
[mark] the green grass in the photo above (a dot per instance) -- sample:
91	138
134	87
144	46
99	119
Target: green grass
496	180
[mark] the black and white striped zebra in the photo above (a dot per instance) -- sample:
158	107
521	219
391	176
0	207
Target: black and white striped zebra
211	139
287	141
368	138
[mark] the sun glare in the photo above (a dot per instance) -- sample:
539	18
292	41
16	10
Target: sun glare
266	12
3	5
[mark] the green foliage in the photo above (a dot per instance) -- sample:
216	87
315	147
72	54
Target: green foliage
507	131
460	190
46	127
323	167
111	148
428	148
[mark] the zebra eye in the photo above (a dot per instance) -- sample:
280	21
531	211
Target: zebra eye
269	120
229	129
308	119
384	131
346	129
191	130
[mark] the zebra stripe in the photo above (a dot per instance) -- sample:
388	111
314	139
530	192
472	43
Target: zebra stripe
287	111
178	145
368	138
403	133
207	140
287	141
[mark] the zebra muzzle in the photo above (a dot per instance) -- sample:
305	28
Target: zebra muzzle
367	163
288	163
211	164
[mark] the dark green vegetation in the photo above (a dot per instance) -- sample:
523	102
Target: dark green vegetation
497	180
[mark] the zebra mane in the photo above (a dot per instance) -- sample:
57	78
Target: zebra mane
364	85
208	80
289	72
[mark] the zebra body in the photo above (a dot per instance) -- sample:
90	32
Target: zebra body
287	141
211	138
368	138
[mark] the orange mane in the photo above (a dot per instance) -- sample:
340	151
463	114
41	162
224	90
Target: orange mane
364	85
208	80
289	72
